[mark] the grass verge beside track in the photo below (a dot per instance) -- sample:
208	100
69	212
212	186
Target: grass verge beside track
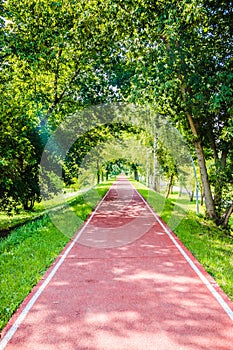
29	250
211	246
10	222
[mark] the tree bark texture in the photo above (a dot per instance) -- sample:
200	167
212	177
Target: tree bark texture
209	202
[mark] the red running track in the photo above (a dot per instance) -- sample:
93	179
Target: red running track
124	282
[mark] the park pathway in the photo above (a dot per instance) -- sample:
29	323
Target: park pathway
124	282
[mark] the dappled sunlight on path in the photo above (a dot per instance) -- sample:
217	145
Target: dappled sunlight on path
142	295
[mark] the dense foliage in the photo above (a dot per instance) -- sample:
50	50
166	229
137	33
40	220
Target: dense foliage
60	57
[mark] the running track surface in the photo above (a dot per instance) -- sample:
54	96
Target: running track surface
123	282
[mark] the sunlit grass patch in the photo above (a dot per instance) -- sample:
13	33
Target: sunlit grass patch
212	247
30	249
8	222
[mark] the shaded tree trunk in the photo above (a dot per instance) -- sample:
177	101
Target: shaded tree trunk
28	204
220	165
136	177
226	216
98	172
170	185
191	196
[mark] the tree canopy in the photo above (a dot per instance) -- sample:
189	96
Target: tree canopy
61	57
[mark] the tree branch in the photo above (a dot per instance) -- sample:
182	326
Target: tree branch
227	214
57	75
60	97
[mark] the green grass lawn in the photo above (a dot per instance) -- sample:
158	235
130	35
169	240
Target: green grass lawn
212	247
7	222
30	249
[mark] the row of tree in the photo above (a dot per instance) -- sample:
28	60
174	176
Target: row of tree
61	57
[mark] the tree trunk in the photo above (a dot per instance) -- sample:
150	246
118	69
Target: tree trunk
191	196
209	202
220	165
155	175
170	185
147	179
180	191
227	215
28	204
98	172
25	205
136	177
147	170
202	195
192	193
218	197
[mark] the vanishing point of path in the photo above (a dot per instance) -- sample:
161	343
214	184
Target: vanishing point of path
125	282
